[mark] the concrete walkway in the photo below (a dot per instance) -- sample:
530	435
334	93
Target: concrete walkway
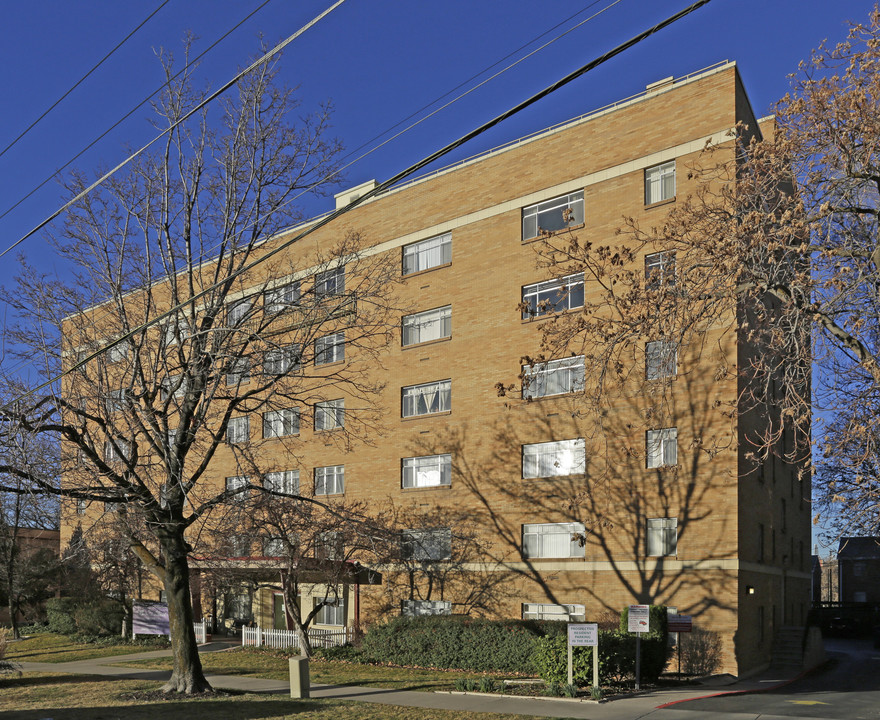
626	707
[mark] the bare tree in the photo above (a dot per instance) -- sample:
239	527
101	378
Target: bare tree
142	426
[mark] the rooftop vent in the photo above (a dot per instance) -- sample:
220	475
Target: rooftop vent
347	196
660	84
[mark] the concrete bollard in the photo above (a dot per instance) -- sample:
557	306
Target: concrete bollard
299	677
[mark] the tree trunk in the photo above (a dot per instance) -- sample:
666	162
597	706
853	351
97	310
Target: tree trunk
294	615
187	675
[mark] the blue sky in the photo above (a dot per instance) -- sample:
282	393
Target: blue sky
377	61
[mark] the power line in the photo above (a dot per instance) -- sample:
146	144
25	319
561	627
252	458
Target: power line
82	79
210	98
381	187
134	109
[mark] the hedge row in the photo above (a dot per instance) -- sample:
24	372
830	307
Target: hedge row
72	616
458	643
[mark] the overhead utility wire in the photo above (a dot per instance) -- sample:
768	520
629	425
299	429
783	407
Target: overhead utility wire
80	81
134	109
445	105
210	98
375	191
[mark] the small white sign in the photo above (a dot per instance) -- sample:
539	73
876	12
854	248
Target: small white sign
639	618
583	635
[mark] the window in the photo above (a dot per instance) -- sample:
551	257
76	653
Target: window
173	386
416	608
426	326
661	360
273	547
116	450
282	481
237	487
330	349
331	613
434	544
238	430
238	311
553	296
279	361
553	540
330	480
329	546
81	505
660	182
552	459
174	331
239	371
662	447
659	269
278	423
662	536
427	254
428	398
545	611
427	471
552	215
115	401
330	414
118	352
280	298
554	377
330	282
239	546
238	606
858	569
113	507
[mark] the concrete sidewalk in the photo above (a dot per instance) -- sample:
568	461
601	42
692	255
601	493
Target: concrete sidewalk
621	708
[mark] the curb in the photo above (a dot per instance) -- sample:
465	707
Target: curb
589	701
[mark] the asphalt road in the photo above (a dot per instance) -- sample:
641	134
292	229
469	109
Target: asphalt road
846	688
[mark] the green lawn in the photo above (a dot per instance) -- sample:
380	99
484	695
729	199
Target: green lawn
70	697
50	647
259	663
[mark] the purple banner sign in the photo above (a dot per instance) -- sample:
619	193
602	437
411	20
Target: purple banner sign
149	618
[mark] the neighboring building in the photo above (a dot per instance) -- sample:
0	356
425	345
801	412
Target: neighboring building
586	517
858	568
32	544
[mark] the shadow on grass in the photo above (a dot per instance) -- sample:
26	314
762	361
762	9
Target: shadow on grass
220	708
10	681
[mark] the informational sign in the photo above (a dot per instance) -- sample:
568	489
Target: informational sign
639	618
583	635
679	623
149	618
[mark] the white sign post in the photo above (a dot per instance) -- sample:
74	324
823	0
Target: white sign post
639	622
583	635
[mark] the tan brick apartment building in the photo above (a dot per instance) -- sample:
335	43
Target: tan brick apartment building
582	515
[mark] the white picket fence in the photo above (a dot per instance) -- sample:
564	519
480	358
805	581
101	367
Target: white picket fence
201	632
281	639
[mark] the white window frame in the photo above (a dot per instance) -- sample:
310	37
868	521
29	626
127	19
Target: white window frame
431	545
426	471
551	296
118	352
282	481
235	484
660	182
172	330
330	480
554	377
549	611
238	430
553	540
111	454
332	613
114	401
274	547
660	269
426	254
661	447
330	348
279	299
661	537
330	414
426	399
419	608
239	371
280	423
238	311
426	326
330	545
661	359
281	360
330	282
552	214
559	458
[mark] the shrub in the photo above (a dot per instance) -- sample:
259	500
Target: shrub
59	615
700	651
347	653
99	617
6	666
487	684
457	642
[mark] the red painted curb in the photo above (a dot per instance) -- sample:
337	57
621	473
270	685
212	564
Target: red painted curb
739	692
